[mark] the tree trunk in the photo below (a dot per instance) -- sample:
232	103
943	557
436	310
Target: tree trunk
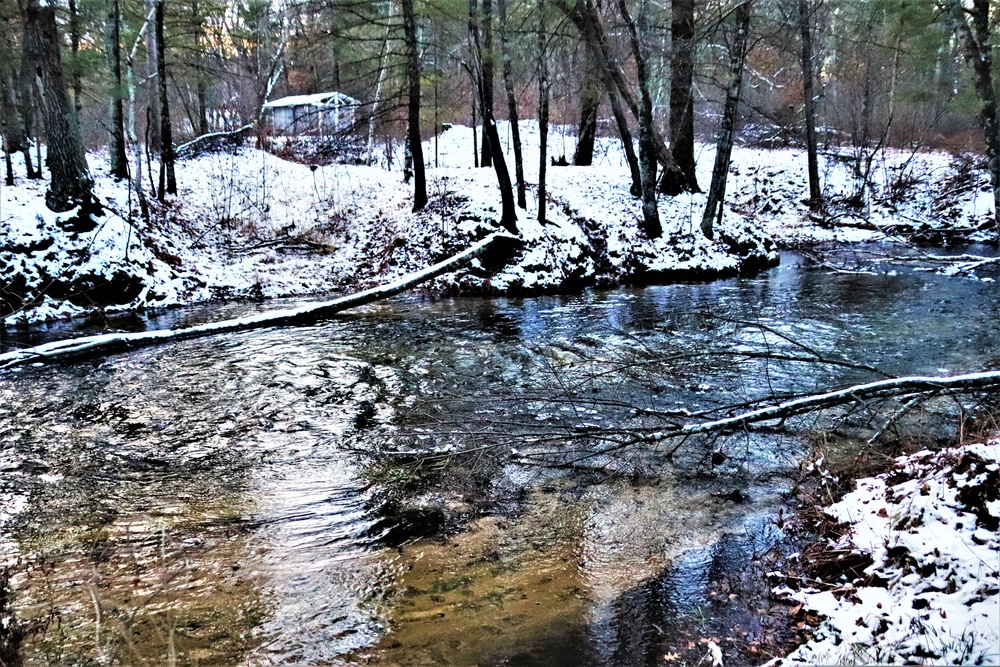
486	77
978	52
805	29
682	41
24	97
71	185
543	111
14	132
103	344
590	102
166	134
372	120
647	149
413	105
737	59
584	16
74	66
200	87
508	216
153	104
508	82
116	149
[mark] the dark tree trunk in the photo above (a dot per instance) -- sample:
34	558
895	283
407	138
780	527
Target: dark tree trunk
14	132
413	105
201	89
119	156
590	102
682	41
487	78
978	52
805	30
543	111
71	185
626	135
584	16
74	46
153	105
737	59
24	98
168	181
647	149
508	82
508	215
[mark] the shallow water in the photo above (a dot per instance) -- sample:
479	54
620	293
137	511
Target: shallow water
206	502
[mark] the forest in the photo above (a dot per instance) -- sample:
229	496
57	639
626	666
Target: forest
482	332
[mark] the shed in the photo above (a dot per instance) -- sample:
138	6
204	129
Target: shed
319	114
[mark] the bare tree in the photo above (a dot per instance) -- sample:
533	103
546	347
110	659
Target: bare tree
116	148
168	181
508	216
724	146
508	82
977	49
543	110
809	100
647	148
413	105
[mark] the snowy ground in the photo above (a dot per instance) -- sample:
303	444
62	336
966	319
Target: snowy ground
930	592
250	224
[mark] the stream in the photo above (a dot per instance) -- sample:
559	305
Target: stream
222	501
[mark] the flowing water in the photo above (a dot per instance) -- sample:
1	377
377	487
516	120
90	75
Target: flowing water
213	501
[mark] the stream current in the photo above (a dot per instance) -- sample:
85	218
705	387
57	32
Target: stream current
212	502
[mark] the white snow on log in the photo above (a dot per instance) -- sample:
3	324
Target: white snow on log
289	316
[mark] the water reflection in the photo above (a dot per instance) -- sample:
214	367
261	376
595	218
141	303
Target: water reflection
205	499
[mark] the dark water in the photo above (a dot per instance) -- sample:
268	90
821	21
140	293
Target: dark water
210	501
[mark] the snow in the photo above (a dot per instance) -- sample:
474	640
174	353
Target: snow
249	224
314	100
932	592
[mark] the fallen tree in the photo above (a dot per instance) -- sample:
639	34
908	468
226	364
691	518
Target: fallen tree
87	346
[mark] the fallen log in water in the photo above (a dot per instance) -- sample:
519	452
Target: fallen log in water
77	348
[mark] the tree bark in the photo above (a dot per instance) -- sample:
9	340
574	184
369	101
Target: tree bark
25	95
413	105
647	149
809	100
116	149
486	77
512	115
168	180
90	346
152	72
74	69
590	102
508	215
737	60
543	111
13	127
977	50
71	184
682	42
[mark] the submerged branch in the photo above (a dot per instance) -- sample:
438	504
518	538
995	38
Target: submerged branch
88	346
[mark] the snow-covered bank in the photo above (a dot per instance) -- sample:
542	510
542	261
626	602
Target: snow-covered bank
248	224
924	540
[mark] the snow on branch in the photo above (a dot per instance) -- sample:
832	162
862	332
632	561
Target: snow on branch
86	346
860	392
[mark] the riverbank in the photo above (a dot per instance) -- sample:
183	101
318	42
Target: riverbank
249	224
903	568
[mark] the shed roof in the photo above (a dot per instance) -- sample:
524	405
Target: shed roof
315	100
